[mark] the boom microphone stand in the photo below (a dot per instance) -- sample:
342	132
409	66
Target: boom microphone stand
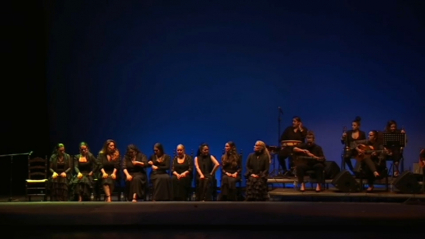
279	119
11	170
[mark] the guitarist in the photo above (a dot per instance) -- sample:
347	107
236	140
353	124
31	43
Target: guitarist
372	157
316	161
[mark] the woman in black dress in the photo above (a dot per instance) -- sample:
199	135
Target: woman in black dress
231	163
134	164
60	167
257	172
109	160
348	138
85	165
182	174
206	166
160	177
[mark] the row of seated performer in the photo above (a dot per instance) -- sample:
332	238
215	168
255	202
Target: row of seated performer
76	175
351	140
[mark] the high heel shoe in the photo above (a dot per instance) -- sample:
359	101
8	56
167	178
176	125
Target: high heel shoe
108	198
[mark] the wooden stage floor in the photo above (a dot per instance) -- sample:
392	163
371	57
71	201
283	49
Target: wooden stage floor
271	219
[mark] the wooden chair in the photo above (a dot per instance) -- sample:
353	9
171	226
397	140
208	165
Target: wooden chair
36	184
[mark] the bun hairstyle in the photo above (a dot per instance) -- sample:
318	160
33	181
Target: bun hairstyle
357	120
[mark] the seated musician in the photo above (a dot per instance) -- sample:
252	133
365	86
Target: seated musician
396	152
422	160
348	138
295	132
310	157
372	157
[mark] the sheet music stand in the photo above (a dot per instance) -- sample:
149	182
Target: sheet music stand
395	140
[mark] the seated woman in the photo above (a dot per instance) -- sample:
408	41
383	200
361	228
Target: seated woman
182	174
206	166
372	157
310	157
395	153
231	172
257	166
133	165
348	139
422	163
85	165
109	160
160	178
60	166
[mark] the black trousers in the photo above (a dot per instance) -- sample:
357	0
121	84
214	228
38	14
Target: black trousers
286	153
318	168
370	165
348	155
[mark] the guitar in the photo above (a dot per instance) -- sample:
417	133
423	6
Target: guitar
368	150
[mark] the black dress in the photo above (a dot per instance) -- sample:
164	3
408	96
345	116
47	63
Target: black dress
84	186
138	185
160	178
182	186
256	188
108	167
204	187
228	184
349	148
59	186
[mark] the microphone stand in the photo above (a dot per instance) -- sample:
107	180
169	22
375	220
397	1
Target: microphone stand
279	119
11	169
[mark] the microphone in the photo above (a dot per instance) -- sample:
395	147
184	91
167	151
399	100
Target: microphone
280	109
29	154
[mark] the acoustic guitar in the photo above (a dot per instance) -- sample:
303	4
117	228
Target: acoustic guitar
368	150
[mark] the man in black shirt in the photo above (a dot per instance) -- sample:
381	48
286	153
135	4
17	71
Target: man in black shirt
309	156
295	132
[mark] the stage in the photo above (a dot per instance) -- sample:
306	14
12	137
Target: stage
274	219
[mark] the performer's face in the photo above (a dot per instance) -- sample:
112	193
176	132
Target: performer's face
61	151
258	147
227	147
84	150
295	123
156	151
355	126
132	153
180	150
205	150
371	136
111	147
310	139
393	127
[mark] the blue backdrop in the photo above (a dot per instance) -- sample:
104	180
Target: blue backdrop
212	71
